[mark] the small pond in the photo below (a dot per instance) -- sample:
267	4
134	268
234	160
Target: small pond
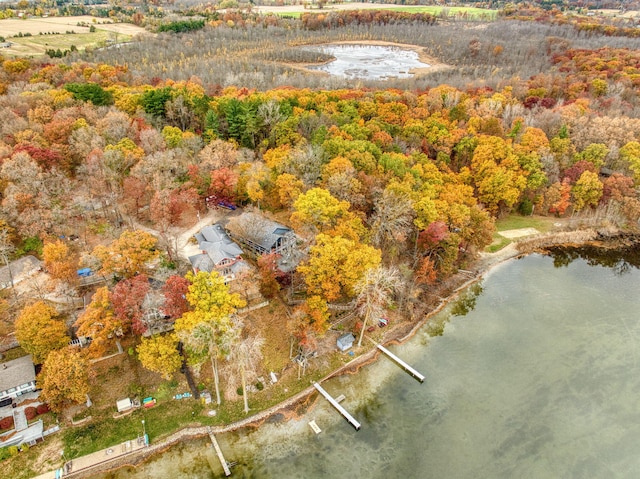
368	62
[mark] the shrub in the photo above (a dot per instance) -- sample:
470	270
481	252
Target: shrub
6	422
13	451
4	453
259	386
43	408
30	413
239	391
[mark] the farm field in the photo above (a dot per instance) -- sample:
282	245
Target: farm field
297	10
38	44
53	33
12	26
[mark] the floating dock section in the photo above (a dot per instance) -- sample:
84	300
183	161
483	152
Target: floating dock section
214	441
315	427
336	405
406	367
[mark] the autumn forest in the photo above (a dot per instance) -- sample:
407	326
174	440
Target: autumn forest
107	158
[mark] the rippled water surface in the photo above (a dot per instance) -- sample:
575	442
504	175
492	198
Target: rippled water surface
369	62
539	379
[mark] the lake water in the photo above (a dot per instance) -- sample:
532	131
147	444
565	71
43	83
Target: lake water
368	62
536	375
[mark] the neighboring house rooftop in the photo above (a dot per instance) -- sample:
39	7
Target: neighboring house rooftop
215	241
219	252
16	373
19	269
263	235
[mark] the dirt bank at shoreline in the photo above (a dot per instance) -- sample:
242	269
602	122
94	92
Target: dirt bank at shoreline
448	292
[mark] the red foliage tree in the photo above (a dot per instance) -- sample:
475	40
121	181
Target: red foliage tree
223	183
181	201
175	296
432	235
269	274
198	179
617	187
136	195
564	199
575	171
45	157
127	298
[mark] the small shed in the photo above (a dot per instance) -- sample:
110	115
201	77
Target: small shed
345	342
124	404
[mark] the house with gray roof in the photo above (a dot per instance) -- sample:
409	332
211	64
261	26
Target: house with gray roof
19	270
219	253
17	377
259	234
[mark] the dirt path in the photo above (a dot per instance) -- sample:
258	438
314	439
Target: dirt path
184	245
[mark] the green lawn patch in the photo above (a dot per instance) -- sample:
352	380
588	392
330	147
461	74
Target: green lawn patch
516	221
13	353
498	243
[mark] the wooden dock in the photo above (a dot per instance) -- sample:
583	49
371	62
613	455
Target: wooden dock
315	427
404	365
214	441
336	405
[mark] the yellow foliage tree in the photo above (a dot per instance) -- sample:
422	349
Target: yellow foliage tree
289	188
587	191
128	255
336	264
64	378
497	175
206	328
39	330
99	322
59	262
160	354
318	210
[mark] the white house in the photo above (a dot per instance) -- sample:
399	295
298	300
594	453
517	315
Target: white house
17	377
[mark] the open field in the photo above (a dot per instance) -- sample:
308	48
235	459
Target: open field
12	26
53	33
38	44
297	10
618	13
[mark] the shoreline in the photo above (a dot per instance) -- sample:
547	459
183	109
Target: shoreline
482	265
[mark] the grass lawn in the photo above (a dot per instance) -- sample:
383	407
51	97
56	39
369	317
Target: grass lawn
13	353
515	221
122	376
38	44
